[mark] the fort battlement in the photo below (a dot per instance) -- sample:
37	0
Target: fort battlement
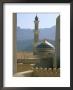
46	72
40	72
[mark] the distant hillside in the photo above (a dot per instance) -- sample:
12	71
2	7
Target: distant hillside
25	37
24	34
48	33
27	34
27	45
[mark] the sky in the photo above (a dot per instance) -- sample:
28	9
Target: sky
46	20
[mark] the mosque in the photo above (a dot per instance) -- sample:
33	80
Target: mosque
43	55
43	49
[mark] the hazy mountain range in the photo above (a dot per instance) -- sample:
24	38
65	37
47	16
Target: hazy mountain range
27	45
44	33
24	37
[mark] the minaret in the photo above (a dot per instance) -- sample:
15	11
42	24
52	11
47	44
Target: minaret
36	33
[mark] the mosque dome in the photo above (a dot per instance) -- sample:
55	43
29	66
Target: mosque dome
45	44
45	49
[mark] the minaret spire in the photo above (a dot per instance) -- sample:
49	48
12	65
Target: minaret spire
36	18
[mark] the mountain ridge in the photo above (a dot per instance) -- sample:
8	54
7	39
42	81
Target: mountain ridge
44	33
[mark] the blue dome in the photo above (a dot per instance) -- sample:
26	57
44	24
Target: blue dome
45	44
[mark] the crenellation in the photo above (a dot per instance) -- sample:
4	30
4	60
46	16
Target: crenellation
46	72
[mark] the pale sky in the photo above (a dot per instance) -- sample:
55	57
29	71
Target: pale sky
46	20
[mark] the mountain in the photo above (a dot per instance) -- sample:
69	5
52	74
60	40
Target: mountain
24	34
27	45
47	33
25	37
27	34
